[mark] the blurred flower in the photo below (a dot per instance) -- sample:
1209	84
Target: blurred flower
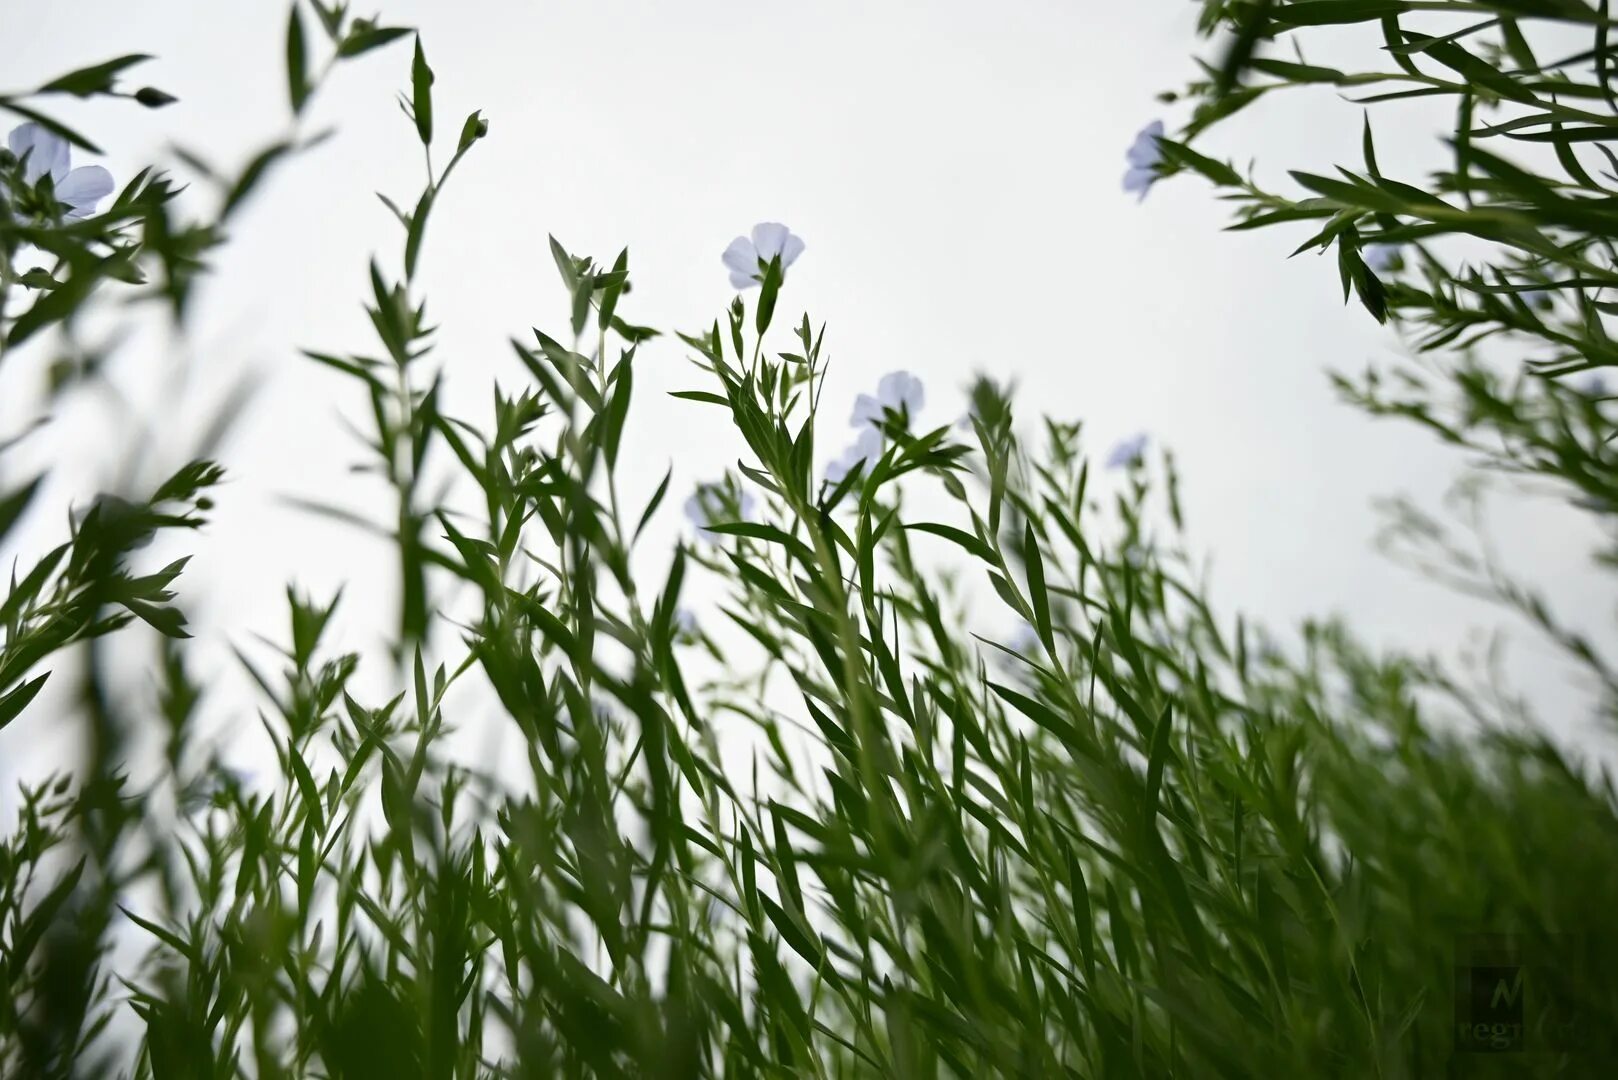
898	391
1381	258
711	504
746	258
48	154
1144	156
1127	452
1595	385
864	449
1535	298
684	621
1024	639
1139	555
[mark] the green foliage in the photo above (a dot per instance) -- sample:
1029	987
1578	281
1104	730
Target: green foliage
1141	840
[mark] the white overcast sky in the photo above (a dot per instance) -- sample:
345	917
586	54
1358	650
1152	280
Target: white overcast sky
954	168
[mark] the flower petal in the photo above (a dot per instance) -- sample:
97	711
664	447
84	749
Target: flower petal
741	257
791	250
901	392
743	281
47	151
867	446
867	411
1127	452
770	238
698	509
82	188
1139	181
863	450
1380	257
1144	150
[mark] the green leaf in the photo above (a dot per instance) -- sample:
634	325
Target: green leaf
40	919
13	505
1155	763
298	88
57	305
418	228
362	39
169	622
331	16
166	936
618	410
421	88
1517	46
615	284
795	931
959	536
1039	713
652	504
767	296
474	129
1249	29
1478	72
1336	12
98	79
56	127
1298	73
14	702
251	175
1036	587
1217	171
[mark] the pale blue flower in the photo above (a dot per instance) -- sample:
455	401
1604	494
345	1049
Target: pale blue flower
1024	639
685	623
1380	258
746	258
865	449
1127	452
898	391
1144	156
1535	298
44	153
712	504
1595	385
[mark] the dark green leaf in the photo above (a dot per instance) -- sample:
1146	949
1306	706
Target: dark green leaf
298	88
97	79
421	86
